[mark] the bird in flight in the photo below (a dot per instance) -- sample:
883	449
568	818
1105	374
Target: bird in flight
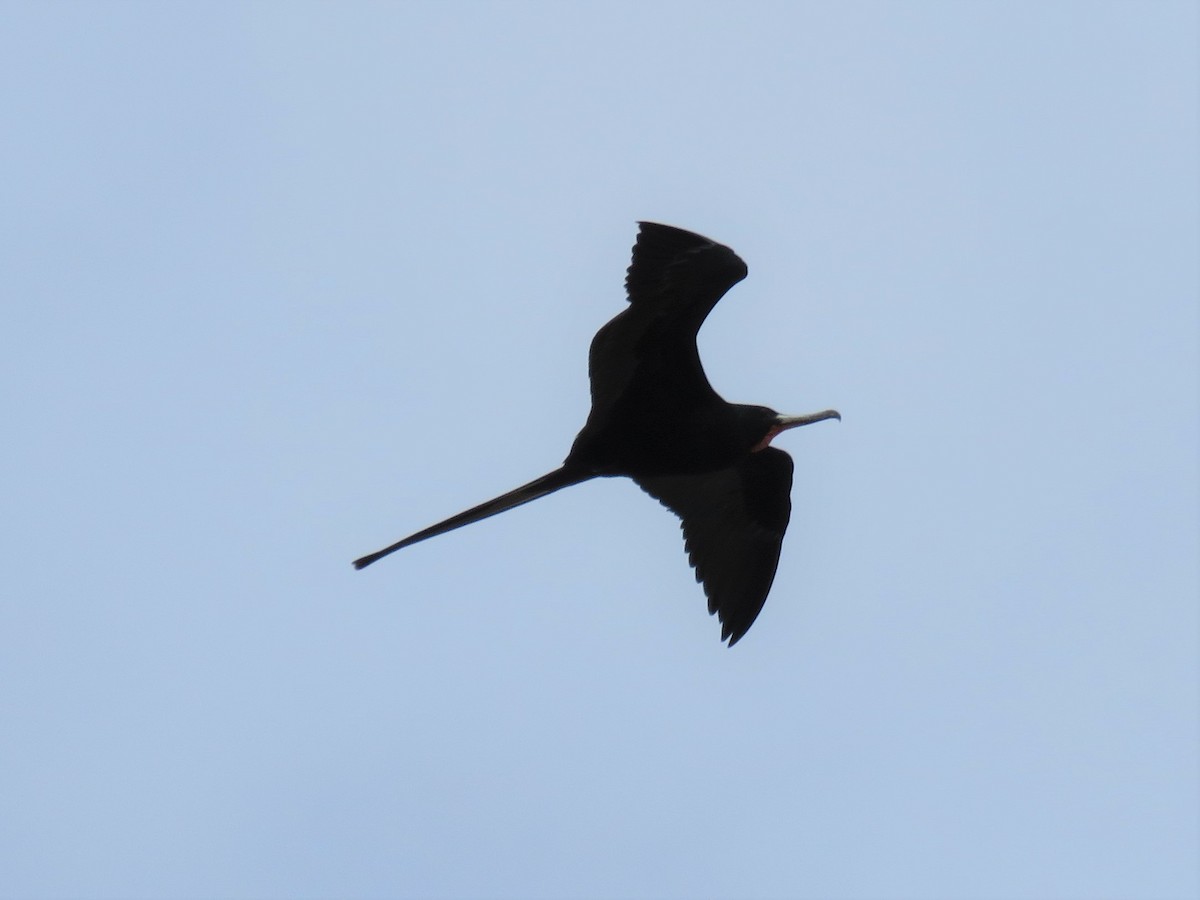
656	419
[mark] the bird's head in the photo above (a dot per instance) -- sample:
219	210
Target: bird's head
765	424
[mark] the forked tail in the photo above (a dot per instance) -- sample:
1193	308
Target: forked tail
539	487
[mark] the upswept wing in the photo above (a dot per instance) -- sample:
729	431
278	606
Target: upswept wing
674	281
733	524
679	273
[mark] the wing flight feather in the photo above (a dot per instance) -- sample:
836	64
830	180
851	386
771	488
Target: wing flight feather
675	279
733	524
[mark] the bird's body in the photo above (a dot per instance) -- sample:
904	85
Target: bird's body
656	419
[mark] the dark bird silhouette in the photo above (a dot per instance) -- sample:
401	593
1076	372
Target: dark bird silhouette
656	419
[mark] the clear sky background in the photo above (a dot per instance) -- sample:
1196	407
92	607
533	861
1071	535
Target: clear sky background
285	282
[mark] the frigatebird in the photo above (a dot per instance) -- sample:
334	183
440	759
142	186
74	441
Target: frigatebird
656	419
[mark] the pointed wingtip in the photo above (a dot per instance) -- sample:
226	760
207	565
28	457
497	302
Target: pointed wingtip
731	635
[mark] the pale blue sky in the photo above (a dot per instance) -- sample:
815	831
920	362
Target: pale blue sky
286	282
